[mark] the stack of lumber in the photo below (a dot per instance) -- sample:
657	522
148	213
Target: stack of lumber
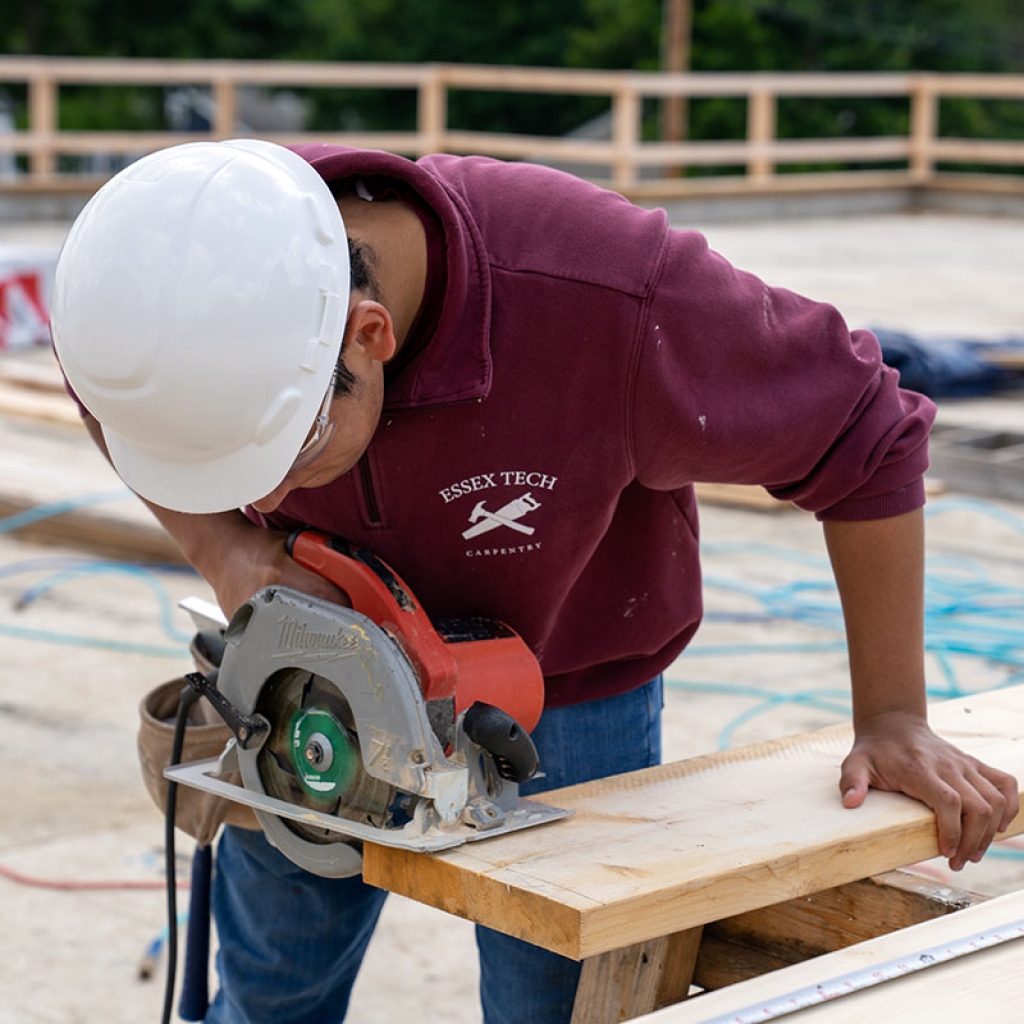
56	486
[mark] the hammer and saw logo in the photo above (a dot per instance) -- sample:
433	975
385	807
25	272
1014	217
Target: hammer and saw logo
484	520
505	524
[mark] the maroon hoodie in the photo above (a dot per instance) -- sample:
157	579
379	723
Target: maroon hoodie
536	456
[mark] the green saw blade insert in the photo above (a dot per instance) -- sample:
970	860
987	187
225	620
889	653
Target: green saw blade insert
324	753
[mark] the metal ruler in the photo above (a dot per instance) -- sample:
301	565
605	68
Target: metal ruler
866	977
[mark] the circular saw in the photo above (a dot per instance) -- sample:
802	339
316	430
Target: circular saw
370	723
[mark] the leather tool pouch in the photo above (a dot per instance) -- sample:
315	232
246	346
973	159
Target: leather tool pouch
198	813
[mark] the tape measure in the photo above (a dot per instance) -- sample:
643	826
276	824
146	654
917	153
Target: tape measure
866	977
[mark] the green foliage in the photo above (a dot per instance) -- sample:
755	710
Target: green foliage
532	33
727	35
614	34
875	35
243	29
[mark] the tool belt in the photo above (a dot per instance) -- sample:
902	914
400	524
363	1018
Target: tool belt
197	813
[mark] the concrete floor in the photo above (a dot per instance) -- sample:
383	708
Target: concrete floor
79	648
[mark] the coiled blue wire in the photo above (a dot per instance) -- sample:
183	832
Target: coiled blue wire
967	615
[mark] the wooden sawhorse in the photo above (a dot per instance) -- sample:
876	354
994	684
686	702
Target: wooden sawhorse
709	870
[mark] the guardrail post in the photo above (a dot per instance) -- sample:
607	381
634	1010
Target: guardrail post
626	109
225	108
924	124
761	126
42	122
432	111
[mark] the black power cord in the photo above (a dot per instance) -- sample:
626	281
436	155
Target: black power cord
188	697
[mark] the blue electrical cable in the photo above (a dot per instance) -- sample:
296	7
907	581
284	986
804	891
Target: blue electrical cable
138	572
66	569
34	515
968	615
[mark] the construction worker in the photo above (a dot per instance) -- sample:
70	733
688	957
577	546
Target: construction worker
505	382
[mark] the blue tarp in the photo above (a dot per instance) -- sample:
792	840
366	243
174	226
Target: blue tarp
948	367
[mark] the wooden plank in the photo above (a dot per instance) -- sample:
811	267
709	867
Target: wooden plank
656	852
38	375
55	477
620	984
104	536
1006	358
37	404
759	941
739	495
680	964
984	985
49	464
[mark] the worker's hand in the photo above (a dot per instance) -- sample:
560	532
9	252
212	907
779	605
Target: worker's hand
898	752
258	558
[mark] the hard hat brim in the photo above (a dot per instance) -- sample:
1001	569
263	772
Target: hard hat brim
221	484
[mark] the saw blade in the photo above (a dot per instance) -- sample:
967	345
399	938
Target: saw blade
312	757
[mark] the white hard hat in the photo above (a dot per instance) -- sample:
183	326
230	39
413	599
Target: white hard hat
197	311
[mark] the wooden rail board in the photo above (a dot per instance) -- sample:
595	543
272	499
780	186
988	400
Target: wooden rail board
656	852
618	161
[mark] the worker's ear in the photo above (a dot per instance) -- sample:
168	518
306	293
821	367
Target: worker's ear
370	331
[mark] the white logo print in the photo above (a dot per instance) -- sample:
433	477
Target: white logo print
508	515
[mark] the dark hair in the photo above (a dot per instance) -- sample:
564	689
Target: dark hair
362	261
362	279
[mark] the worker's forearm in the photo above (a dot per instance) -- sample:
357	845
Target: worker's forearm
879	569
204	540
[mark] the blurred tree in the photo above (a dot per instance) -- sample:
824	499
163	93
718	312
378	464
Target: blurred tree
531	33
918	35
254	29
242	29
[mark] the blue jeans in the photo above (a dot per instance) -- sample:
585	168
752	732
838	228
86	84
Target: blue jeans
291	943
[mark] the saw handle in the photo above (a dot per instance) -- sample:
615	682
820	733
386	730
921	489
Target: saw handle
504	738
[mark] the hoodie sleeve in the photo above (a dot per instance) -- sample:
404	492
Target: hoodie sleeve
739	382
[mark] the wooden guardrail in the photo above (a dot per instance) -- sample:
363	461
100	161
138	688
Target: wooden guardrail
625	160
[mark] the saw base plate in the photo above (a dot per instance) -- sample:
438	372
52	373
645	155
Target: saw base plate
526	814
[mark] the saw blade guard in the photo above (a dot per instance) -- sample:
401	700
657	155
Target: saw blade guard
465	660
